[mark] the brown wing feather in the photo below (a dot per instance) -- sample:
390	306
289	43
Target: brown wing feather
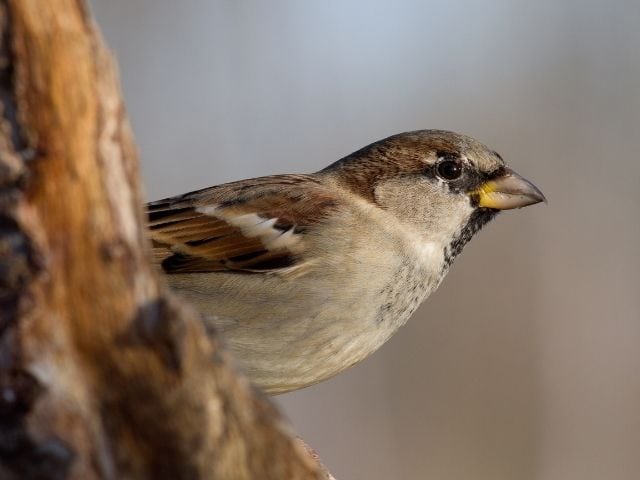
253	225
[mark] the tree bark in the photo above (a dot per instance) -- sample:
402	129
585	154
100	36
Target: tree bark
103	373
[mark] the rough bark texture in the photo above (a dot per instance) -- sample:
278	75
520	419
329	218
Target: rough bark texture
103	374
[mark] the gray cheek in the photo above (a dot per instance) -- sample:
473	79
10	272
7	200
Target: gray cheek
427	205
447	214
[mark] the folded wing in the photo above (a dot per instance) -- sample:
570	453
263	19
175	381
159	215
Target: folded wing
257	225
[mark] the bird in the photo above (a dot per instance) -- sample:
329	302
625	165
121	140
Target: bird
306	275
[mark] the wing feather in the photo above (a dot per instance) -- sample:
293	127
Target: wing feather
256	225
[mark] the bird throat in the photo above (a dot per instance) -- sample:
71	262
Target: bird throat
478	219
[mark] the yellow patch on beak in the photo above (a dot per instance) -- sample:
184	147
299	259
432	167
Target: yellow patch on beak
507	191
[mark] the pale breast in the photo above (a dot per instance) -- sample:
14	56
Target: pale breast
288	333
408	288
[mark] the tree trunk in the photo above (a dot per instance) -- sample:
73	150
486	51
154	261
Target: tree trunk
103	373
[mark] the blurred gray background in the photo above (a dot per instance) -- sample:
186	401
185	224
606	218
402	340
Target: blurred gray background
526	363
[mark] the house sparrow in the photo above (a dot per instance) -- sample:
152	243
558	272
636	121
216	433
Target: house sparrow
307	275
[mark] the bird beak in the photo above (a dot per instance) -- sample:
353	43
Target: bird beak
509	190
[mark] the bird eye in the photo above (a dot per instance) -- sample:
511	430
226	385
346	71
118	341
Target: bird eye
449	169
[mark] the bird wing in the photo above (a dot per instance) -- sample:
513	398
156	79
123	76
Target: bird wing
255	225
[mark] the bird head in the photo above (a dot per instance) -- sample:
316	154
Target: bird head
443	185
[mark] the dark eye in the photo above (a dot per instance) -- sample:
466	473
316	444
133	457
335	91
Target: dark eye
449	169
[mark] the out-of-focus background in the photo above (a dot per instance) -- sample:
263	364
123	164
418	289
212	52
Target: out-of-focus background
526	363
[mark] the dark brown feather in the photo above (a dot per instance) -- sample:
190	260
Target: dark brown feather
252	225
